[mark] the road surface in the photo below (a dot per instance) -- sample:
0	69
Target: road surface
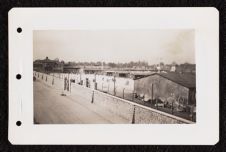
52	108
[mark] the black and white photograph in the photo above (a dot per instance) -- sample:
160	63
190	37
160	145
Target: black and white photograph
114	76
118	76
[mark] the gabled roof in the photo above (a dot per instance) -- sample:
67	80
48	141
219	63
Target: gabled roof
187	80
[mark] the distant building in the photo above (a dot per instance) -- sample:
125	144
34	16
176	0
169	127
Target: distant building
139	75
168	87
182	68
186	68
47	65
68	68
173	69
158	67
123	74
93	69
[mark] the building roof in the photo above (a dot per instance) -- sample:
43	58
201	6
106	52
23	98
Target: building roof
187	80
46	60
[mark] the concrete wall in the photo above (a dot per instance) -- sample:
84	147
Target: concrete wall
152	116
135	112
104	83
163	88
114	104
130	111
53	81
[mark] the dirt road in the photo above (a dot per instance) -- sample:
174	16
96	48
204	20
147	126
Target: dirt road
52	108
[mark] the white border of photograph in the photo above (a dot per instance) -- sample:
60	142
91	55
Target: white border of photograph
205	22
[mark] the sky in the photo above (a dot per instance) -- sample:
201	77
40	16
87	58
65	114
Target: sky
152	46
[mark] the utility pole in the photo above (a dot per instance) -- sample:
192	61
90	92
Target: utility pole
114	85
68	83
123	93
152	91
133	117
80	77
92	97
156	99
172	103
172	107
95	82
53	80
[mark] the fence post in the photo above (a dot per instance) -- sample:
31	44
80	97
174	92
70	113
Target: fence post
152	91
133	119
191	113
95	86
69	85
156	103
133	94
92	100
123	93
114	86
172	108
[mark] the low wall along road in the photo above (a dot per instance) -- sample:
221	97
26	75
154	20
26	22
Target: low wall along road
132	112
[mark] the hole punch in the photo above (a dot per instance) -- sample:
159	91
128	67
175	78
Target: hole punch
18	76
19	29
18	123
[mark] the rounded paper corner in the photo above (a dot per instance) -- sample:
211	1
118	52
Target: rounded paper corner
11	140
216	140
12	11
13	137
215	10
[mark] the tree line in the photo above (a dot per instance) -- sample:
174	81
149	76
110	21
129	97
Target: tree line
130	64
